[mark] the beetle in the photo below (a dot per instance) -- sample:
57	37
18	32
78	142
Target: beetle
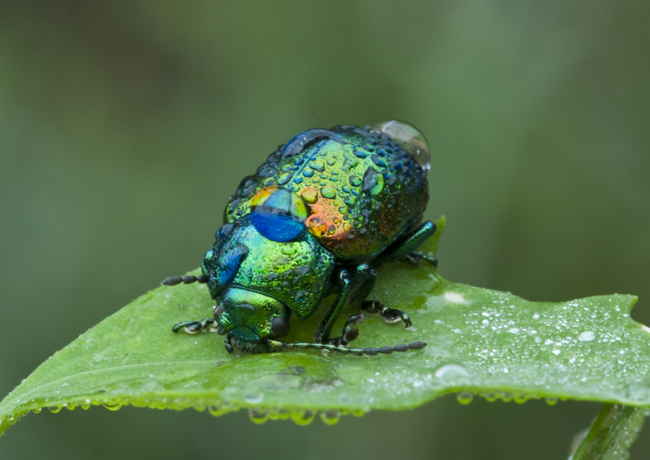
316	218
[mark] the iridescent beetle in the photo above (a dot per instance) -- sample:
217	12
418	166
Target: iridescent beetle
314	220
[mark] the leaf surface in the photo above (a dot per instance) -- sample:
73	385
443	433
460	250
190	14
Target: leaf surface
480	342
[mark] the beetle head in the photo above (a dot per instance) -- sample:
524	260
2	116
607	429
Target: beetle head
251	318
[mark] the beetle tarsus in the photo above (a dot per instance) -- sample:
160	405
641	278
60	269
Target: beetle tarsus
415	258
228	344
193	327
350	332
390	315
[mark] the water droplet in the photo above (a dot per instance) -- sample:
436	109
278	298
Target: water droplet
220	410
330	417
328	192
317	165
254	399
112	406
465	397
317	226
520	398
258	416
302	417
586	336
551	400
284	178
310	195
409	138
355	181
451	373
55	409
455	297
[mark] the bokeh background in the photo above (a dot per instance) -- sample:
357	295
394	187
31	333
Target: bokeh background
125	125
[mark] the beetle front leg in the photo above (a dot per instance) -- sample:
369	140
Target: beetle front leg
324	330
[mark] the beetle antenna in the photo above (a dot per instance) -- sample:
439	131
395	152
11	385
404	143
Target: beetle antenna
371	351
174	280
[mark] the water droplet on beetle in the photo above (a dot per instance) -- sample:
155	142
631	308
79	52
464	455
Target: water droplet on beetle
310	195
317	165
284	178
328	192
409	138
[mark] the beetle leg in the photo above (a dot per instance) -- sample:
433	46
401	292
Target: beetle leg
364	277
390	315
324	329
193	327
227	341
350	332
414	258
354	286
405	247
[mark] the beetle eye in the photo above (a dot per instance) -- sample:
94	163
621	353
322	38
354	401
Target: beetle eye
409	138
217	311
278	214
279	327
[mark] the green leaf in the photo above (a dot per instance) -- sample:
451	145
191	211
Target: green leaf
480	342
611	434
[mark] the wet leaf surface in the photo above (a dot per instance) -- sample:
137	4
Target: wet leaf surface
480	342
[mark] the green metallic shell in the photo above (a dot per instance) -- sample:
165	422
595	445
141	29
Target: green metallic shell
295	273
361	189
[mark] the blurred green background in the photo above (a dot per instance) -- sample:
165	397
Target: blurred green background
125	125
